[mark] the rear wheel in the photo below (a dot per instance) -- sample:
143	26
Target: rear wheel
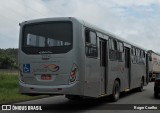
116	91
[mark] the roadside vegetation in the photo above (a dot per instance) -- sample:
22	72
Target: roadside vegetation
9	91
8	58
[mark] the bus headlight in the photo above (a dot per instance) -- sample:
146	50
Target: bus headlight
73	74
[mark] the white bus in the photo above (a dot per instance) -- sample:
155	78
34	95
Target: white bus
72	57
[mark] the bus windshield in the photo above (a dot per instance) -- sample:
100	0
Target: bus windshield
50	38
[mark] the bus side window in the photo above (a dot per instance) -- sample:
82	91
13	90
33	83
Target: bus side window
87	37
113	49
133	51
115	45
134	59
120	51
91	43
93	38
137	52
121	47
144	54
90	37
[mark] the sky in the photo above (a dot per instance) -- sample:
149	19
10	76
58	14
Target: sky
137	21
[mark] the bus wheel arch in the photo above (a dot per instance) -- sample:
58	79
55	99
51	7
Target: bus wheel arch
116	90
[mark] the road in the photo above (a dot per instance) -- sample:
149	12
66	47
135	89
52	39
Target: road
100	105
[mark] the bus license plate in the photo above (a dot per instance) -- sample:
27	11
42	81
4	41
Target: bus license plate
46	77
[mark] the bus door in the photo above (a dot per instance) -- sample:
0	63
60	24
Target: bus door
127	68
103	63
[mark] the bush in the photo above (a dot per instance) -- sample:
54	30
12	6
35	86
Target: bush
6	62
8	58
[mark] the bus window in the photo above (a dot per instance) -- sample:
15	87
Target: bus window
55	37
87	37
137	52
133	51
91	43
120	51
113	49
110	44
120	46
90	37
113	44
142	54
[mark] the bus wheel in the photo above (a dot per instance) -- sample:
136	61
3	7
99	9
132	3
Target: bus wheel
116	91
140	89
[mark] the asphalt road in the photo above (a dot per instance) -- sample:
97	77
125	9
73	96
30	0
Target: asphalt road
102	105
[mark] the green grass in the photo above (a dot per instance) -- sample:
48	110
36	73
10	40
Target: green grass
9	91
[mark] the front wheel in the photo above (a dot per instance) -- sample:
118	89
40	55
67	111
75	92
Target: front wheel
116	91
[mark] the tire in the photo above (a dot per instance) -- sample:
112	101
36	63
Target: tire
116	91
155	94
140	88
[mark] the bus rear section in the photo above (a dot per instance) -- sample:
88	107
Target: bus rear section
46	63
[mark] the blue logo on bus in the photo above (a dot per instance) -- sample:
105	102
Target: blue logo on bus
26	68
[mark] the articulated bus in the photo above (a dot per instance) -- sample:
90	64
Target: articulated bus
72	57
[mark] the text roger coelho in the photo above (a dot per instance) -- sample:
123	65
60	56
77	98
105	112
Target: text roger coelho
145	107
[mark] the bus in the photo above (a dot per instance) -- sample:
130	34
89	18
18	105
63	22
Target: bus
154	64
69	56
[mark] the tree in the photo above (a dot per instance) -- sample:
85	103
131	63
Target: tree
6	62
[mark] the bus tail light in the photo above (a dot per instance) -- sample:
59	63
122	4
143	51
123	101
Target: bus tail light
73	74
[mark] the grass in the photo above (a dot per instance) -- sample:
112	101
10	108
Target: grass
9	91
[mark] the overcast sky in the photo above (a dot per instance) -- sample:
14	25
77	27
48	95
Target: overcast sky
137	21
